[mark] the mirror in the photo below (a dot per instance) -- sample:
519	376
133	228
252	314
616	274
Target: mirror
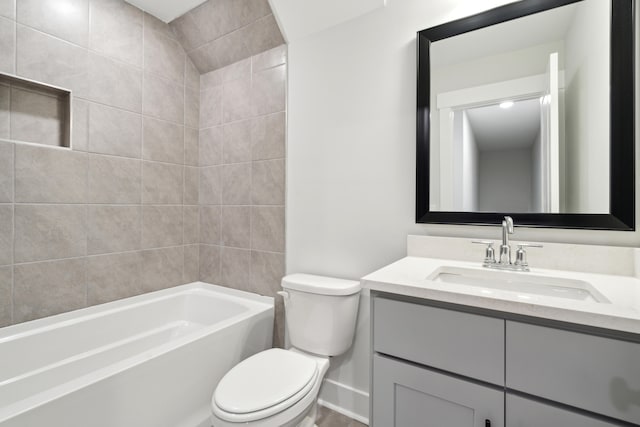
527	110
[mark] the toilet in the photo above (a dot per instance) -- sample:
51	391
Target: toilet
279	388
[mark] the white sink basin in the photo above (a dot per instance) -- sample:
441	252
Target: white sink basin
522	283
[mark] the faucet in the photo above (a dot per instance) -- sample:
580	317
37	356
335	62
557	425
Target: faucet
504	260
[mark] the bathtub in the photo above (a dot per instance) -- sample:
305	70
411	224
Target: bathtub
148	361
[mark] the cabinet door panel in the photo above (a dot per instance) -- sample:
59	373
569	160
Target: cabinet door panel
405	395
600	375
523	412
463	343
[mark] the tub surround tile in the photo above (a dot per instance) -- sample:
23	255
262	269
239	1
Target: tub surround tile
210	185
163	99
210	146
70	22
269	59
162	268
113	229
191	215
191	150
237	99
211	107
262	35
235	267
236	71
114	83
236	226
222	51
236	184
6	298
267	270
116	30
46	175
114	276
192	75
114	131
216	18
211	80
8	8
163	55
191	264
162	226
80	131
187	32
191	185
6	171
210	226
267	228
237	142
47	288
36	117
154	24
6	234
268	137
163	141
192	107
5	104
114	180
53	61
162	183
45	232
210	264
7	46
269	90
268	181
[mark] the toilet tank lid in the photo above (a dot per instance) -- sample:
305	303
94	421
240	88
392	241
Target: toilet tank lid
320	284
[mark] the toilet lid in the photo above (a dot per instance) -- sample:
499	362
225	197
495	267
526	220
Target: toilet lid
264	380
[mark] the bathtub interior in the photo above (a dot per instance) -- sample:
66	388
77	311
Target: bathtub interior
58	352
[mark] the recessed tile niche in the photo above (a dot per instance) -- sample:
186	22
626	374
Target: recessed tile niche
34	112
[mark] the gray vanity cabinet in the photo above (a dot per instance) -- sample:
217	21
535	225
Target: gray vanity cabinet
406	395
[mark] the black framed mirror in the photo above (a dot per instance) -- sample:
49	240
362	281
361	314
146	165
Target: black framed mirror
495	138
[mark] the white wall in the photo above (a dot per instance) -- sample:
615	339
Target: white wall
504	181
536	175
470	167
351	154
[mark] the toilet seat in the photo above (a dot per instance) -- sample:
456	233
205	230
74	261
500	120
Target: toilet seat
263	385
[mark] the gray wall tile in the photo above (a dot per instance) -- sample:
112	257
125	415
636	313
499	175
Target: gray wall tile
210	80
191	215
237	100
163	141
268	136
236	184
70	23
211	107
6	171
262	35
5	105
115	180
268	180
80	125
6	234
191	264
163	99
36	117
191	152
192	75
161	226
7	46
268	91
191	185
238	70
8	8
153	23
187	32
113	229
210	146
162	268
162	183
116	30
114	276
210	185
235	268
6	297
49	175
49	232
50	60
47	288
270	58
163	56
236	226
237	142
192	107
114	131
114	83
210	264
267	228
210	225
225	50
267	270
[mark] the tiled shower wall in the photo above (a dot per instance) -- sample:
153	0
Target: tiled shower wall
118	214
242	176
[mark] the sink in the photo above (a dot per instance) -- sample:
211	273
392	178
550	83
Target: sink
522	283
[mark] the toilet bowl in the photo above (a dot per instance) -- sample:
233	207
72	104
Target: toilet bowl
279	388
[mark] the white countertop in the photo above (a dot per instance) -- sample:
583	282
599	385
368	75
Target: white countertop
408	277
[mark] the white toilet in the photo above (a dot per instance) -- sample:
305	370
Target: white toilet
279	388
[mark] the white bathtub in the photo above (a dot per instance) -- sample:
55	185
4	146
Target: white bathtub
148	361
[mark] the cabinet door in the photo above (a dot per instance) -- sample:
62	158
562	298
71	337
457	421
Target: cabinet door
523	412
406	395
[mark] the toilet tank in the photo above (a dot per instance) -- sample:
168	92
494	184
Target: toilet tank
320	313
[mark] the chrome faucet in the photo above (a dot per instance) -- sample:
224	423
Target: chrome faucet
504	260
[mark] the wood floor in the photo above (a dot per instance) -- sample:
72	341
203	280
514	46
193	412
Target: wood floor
329	418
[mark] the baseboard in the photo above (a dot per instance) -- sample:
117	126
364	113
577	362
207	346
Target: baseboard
345	400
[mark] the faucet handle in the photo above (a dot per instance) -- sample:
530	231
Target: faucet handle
489	253
521	254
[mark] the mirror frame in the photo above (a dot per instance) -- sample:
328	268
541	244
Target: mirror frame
622	122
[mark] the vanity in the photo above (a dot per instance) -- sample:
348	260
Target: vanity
467	346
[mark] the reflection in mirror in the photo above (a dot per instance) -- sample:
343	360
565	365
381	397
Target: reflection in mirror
527	110
520	117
